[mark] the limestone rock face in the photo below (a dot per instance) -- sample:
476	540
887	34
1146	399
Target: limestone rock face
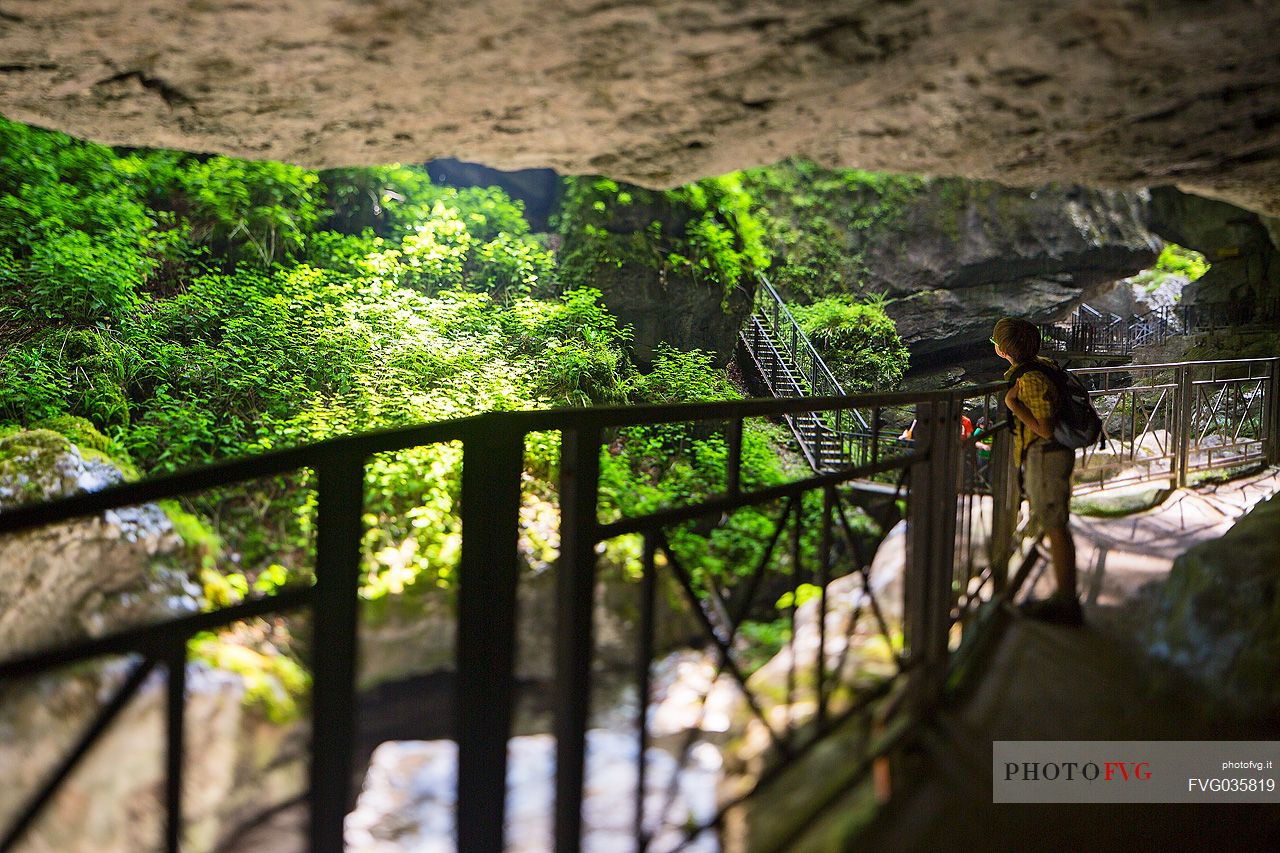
1243	248
954	256
1218	616
1133	94
971	253
674	310
87	577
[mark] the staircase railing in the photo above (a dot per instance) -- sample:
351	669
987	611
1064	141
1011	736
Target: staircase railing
786	362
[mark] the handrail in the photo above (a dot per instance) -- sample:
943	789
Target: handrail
402	438
788	365
819	366
949	556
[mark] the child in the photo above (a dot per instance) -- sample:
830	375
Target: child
1046	466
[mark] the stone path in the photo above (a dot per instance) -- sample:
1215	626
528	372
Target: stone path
1117	556
1042	682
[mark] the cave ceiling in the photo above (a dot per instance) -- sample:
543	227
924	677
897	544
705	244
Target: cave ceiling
1182	92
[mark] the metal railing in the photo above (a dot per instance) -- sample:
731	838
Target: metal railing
1173	421
785	362
1092	332
958	546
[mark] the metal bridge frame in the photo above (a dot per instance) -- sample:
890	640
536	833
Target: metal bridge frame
1089	332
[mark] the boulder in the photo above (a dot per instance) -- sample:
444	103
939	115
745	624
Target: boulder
86	577
64	582
1217	616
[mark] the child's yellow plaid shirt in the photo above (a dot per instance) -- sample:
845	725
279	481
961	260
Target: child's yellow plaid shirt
1037	393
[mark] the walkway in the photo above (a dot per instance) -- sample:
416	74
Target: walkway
1053	683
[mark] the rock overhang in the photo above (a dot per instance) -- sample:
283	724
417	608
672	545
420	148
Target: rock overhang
1106	93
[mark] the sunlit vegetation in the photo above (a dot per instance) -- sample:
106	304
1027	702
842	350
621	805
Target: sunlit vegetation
182	309
1174	260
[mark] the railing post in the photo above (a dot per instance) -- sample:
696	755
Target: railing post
931	530
1005	504
176	672
488	573
575	595
1186	405
1271	419
733	461
339	529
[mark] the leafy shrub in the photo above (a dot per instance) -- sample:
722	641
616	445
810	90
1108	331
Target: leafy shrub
1173	260
858	341
1187	262
248	210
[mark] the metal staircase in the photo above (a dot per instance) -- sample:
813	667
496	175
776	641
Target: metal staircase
787	365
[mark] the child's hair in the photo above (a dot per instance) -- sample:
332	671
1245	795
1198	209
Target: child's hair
1018	338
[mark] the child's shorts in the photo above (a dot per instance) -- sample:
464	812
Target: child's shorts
1047	481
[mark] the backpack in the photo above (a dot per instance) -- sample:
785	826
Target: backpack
1078	424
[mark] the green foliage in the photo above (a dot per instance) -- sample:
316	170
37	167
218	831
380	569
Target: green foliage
197	308
815	222
681	377
391	201
199	539
1186	262
705	231
247	210
273	680
75	237
858	341
1173	260
578	347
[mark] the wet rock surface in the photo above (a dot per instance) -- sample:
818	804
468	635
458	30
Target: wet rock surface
408	798
659	94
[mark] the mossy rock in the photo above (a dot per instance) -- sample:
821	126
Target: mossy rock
1112	504
91	443
29	469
